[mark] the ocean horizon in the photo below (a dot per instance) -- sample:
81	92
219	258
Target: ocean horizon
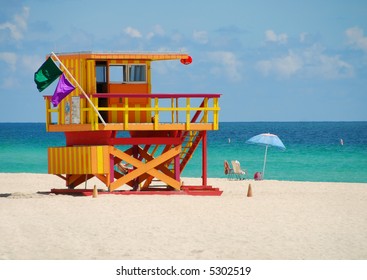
315	151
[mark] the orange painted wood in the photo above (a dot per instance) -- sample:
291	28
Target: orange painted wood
148	167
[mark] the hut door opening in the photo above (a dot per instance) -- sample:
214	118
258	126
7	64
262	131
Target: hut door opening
102	86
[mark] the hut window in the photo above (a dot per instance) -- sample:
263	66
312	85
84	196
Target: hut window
137	73
101	73
117	74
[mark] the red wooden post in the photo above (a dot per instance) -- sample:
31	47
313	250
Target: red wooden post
112	169
177	167
204	159
136	155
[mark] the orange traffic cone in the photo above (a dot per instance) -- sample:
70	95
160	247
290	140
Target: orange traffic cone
249	191
95	192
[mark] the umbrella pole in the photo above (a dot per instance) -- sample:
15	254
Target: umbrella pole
266	152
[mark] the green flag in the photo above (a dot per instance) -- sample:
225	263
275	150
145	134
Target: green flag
46	74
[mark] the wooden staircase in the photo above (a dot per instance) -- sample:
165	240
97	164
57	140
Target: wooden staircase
191	141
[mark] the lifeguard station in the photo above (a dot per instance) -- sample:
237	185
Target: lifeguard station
113	118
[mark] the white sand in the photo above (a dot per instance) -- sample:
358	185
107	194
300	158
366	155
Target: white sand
283	220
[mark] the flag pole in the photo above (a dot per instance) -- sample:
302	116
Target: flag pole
266	152
81	89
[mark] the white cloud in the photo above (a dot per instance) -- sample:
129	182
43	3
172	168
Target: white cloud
356	38
157	31
321	65
333	68
271	36
18	68
9	83
177	38
318	64
310	63
200	36
31	63
229	65
303	37
283	67
10	59
8	78
132	32
18	25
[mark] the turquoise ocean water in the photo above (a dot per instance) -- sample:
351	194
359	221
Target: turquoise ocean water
314	151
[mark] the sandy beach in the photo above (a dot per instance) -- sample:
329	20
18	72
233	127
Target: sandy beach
282	221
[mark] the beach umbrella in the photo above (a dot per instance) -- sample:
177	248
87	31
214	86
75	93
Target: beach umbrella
266	139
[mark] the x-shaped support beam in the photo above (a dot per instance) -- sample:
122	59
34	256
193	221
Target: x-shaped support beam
153	167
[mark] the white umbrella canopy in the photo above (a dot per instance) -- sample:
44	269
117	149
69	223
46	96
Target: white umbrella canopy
266	139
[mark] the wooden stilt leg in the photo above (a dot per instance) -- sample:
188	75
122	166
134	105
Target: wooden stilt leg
204	159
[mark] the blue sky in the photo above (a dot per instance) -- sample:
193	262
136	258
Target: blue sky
270	60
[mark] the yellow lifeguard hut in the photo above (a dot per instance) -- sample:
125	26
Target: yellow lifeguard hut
112	118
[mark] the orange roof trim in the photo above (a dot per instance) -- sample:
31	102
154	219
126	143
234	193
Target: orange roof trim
106	56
